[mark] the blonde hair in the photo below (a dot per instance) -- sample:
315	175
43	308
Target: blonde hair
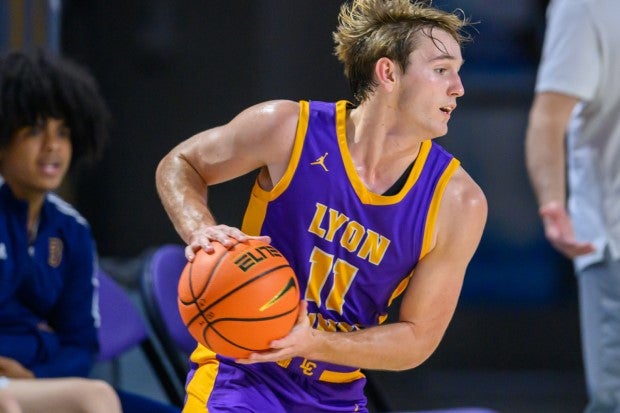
371	29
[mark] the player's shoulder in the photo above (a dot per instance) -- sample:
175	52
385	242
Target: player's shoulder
463	194
270	122
278	109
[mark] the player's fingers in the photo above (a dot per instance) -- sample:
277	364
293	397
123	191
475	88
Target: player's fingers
223	234
263	238
295	336
302	315
265	356
197	243
202	237
232	232
236	233
189	253
279	344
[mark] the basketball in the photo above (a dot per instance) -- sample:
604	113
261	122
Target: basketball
236	300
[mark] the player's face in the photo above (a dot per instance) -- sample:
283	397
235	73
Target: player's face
431	84
37	158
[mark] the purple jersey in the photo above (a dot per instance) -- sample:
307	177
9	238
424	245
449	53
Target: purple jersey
350	248
353	250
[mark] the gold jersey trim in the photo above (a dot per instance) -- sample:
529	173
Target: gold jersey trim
199	388
433	209
366	196
329	376
257	206
429	228
202	383
340	377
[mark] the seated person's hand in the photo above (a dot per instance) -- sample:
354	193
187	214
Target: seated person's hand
14	369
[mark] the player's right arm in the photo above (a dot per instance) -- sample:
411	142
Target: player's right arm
261	136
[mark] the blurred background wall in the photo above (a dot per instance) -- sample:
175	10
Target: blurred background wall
170	69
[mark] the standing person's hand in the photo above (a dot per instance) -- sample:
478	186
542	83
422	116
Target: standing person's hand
559	231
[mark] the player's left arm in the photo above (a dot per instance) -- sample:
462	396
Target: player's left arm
432	295
428	303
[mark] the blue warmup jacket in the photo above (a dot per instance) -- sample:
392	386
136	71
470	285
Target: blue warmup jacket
48	306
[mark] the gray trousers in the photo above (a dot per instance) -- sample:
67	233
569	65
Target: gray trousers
599	303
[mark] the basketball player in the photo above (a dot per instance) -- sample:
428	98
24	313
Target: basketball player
51	117
361	201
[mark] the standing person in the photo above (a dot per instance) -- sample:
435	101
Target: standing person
51	118
573	136
359	199
62	395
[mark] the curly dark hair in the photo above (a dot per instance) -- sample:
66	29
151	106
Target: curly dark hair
41	86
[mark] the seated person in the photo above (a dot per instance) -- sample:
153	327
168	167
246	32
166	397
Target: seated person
51	118
64	395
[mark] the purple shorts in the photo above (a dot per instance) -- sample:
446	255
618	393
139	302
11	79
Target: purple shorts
225	386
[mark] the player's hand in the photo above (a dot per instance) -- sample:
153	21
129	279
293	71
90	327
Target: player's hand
224	234
14	369
559	231
297	343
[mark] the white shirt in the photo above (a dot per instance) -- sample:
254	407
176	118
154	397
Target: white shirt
581	58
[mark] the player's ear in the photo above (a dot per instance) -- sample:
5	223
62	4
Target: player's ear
385	72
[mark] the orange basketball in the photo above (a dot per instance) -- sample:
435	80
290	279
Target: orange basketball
236	300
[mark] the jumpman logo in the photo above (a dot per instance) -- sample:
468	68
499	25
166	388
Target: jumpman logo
321	161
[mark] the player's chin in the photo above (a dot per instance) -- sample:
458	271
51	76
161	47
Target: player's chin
442	129
439	133
438	129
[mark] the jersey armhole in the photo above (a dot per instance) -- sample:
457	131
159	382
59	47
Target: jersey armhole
433	209
259	198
